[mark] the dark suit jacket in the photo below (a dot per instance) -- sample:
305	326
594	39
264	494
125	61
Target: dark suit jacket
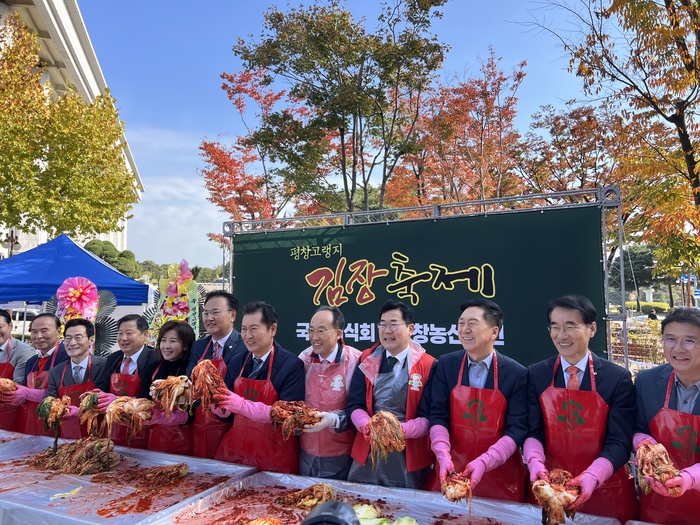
31	365
98	374
287	373
357	396
144	363
613	384
512	383
234	344
169	368
650	387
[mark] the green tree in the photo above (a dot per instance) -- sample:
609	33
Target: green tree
62	167
125	261
363	91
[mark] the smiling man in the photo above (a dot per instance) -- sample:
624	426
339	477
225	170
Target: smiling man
329	365
581	415
394	375
255	380
668	412
14	355
478	411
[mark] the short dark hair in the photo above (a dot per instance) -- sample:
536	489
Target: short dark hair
574	302
6	315
682	315
184	333
338	317
269	316
409	316
493	314
141	322
46	314
89	327
230	298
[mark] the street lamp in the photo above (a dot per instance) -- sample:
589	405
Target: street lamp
11	242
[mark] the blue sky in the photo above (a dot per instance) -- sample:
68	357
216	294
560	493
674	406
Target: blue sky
162	62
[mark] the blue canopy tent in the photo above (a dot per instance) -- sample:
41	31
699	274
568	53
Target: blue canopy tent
35	275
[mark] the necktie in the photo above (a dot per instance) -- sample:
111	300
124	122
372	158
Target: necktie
77	374
257	365
217	351
391	362
125	365
574	383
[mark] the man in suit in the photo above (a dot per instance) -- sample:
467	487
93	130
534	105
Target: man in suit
581	415
478	411
668	412
223	341
394	375
219	346
265	373
14	355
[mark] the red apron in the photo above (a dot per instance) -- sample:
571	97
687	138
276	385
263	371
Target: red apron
209	431
10	416
39	380
418	453
678	432
126	385
477	421
171	439
575	425
72	429
326	390
258	445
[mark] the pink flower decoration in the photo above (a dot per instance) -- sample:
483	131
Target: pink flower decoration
77	297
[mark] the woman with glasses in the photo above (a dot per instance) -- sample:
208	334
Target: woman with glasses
668	412
170	434
581	415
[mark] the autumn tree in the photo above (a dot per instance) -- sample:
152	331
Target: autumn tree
362	91
645	55
62	167
467	142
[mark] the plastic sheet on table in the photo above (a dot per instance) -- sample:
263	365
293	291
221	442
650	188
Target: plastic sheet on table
635	522
428	508
6	436
29	496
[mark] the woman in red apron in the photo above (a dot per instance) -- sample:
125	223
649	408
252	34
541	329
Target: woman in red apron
208	430
471	437
574	442
171	435
254	441
326	453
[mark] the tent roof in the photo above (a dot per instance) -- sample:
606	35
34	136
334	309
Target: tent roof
35	275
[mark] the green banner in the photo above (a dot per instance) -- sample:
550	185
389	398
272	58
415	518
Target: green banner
521	260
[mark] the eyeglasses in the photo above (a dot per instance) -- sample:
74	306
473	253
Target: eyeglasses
686	344
320	332
213	313
77	339
568	329
390	326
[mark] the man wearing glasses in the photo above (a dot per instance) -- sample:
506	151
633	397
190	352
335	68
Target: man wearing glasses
668	412
394	375
223	341
324	448
581	415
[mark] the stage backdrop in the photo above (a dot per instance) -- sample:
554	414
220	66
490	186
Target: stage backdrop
521	260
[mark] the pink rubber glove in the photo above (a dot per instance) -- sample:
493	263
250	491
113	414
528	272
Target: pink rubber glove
657	487
360	418
440	445
227	400
534	457
103	400
590	479
638	440
688	479
159	417
71	414
223	414
494	457
16	398
415	428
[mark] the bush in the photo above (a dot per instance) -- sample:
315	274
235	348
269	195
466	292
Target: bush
648	307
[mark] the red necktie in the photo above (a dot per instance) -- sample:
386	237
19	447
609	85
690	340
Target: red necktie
574	383
125	365
217	351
